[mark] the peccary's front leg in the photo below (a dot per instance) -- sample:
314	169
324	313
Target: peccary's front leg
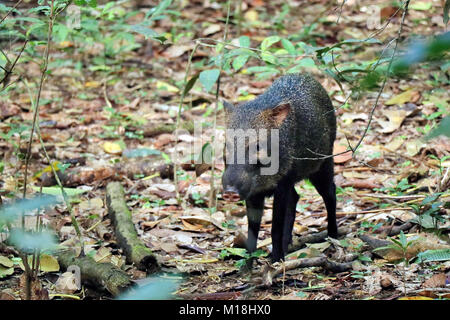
283	216
255	207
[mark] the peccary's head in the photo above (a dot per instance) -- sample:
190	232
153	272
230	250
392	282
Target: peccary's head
255	153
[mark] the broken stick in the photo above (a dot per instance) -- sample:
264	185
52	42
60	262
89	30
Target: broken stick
270	272
127	238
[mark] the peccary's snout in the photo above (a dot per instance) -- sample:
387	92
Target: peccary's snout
231	194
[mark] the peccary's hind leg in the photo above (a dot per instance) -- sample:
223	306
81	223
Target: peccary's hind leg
283	216
323	181
289	219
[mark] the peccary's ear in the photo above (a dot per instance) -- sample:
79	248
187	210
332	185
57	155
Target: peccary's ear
228	107
280	112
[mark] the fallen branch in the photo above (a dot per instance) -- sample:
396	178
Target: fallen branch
81	176
127	238
101	275
299	242
375	243
151	130
343	213
395	230
398	198
268	273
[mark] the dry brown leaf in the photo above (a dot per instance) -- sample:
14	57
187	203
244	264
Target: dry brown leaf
395	117
176	51
402	98
436	281
66	283
338	148
360	184
214	28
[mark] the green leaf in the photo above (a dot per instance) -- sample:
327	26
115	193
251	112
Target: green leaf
397	245
156	11
244	41
208	78
240	252
5	262
442	129
268	57
304	63
322	50
61	31
4	271
430	198
166	157
219	47
426	221
241	52
421	5
434	255
140	152
364	258
259	253
288	46
403	239
239	62
190	84
91	3
48	263
56	191
263	69
45	9
267	42
147	32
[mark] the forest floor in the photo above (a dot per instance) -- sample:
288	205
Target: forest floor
97	118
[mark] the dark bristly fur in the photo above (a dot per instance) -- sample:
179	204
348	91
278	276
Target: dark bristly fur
300	108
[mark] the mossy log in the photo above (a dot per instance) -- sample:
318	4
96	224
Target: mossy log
155	129
102	275
126	235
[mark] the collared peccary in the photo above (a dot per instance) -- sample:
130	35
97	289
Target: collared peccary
267	141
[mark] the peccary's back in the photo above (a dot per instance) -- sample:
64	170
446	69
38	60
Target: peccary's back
310	129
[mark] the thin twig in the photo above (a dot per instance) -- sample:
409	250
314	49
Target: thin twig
372	111
28	272
180	107
340	11
212	194
36	109
9	12
226	44
5	79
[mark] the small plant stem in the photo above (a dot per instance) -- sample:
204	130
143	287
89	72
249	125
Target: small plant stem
213	193
177	126
9	12
239	17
